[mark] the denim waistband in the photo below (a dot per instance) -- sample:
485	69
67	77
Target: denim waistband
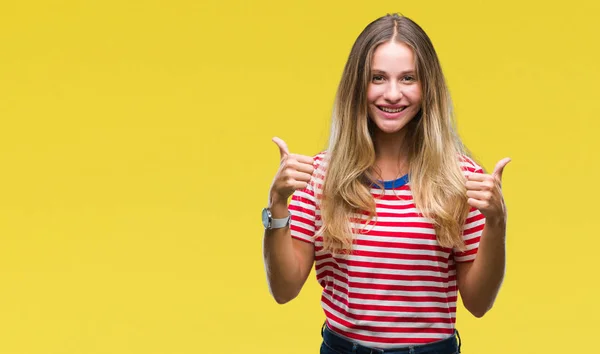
450	345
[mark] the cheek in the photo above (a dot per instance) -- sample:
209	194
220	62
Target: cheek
414	95
372	93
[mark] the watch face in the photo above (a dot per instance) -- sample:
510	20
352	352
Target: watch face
265	218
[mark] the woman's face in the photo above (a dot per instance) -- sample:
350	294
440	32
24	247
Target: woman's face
394	95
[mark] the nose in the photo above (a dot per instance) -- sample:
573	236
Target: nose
393	93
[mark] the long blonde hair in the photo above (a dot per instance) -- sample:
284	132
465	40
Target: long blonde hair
434	148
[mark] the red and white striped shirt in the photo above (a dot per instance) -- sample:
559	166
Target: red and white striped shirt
398	286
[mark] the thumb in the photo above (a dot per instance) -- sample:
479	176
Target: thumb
500	168
283	149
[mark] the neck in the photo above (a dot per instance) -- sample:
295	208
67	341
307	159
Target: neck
391	155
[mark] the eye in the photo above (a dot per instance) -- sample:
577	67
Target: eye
409	78
377	78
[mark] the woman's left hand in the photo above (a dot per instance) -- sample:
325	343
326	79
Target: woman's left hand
485	192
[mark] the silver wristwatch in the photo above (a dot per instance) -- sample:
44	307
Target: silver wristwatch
270	223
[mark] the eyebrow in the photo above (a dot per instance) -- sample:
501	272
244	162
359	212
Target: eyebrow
402	73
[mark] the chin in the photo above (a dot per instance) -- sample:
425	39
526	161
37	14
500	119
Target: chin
390	127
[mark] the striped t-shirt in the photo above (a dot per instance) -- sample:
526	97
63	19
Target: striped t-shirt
398	286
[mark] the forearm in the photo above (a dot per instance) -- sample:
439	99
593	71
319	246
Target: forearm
485	276
281	262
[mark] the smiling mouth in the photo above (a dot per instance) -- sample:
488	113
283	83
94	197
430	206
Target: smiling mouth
391	110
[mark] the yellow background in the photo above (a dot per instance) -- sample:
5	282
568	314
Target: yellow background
136	156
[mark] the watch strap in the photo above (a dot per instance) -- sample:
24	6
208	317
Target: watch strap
279	223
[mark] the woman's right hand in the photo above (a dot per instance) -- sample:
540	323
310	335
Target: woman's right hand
294	173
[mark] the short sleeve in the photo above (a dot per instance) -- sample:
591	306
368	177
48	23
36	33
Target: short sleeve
303	206
472	230
474	223
303	210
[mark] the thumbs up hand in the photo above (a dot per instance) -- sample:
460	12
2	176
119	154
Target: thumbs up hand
484	192
294	173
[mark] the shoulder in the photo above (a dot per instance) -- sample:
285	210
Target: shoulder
319	160
469	165
319	157
318	176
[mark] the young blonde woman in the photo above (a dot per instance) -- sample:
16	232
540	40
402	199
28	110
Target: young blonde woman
394	215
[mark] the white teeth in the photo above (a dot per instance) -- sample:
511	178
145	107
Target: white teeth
389	110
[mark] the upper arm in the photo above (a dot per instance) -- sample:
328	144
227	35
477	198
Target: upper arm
462	270
464	259
305	254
